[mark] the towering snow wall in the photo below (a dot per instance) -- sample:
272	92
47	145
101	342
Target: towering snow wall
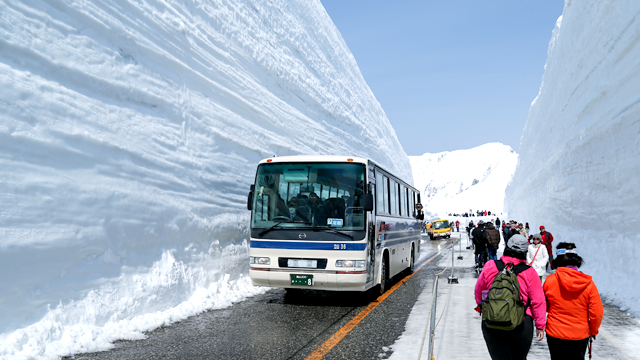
463	180
580	152
129	134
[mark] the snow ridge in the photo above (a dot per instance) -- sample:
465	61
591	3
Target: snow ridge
579	160
457	181
129	135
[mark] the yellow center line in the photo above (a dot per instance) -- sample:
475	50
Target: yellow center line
320	352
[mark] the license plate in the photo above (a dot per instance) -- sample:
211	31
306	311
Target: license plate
302	263
302	280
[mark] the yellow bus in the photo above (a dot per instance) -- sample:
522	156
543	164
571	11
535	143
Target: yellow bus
439	228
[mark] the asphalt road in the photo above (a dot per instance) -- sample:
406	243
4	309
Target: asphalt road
285	325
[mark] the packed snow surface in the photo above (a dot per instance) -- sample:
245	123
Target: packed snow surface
129	135
464	180
458	326
580	155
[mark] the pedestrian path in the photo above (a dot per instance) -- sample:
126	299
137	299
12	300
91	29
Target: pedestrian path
458	334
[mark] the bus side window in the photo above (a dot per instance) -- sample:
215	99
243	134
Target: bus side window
393	198
385	190
379	194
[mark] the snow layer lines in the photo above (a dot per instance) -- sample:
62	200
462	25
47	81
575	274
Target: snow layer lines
457	181
129	134
580	156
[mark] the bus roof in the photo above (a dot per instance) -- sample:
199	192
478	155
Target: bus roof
329	158
314	158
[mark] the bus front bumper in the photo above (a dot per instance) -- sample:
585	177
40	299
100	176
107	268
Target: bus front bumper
329	280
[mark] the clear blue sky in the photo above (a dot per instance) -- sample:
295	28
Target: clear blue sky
450	74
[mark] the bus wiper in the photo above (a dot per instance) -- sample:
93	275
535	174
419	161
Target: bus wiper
271	228
336	232
278	223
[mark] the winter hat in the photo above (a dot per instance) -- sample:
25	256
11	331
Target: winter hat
541	227
537	236
518	243
480	222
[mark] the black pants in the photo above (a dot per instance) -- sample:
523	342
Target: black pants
561	349
509	345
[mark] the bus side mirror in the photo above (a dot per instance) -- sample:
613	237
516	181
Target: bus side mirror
368	202
250	198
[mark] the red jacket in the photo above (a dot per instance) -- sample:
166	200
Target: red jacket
547	239
574	305
530	288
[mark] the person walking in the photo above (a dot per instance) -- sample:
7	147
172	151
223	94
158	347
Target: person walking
537	256
470	228
547	240
514	344
493	241
575	308
479	243
522	231
458	225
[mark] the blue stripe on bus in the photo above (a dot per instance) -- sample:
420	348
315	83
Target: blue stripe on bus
304	245
391	243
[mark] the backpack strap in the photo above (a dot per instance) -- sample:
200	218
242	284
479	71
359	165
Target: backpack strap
516	269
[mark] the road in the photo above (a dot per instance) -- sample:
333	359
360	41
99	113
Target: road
288	325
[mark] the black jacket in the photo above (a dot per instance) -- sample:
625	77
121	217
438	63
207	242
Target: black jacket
479	239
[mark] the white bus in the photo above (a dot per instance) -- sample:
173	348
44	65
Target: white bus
330	223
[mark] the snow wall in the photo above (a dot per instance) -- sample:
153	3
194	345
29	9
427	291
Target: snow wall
580	152
129	135
463	180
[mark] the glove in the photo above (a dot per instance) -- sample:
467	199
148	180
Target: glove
478	309
593	337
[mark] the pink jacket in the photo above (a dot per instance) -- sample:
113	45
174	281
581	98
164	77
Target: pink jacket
530	288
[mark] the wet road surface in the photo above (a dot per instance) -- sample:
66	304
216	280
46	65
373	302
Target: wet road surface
285	325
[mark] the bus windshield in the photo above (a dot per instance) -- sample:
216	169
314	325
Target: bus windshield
441	224
318	195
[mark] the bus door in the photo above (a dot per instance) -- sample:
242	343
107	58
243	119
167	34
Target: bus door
372	231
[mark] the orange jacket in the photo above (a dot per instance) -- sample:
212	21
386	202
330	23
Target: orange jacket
573	303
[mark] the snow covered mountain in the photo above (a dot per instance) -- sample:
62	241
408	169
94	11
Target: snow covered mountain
457	181
129	135
580	155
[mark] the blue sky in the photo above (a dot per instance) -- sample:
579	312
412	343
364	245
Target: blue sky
450	74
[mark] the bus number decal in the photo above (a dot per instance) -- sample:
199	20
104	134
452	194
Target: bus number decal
339	246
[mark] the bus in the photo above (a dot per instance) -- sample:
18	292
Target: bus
330	223
439	228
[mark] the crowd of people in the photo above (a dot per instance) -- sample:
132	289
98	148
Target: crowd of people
565	306
471	213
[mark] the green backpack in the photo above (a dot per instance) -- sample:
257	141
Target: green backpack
503	309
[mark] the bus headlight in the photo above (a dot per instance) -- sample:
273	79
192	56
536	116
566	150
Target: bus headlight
350	263
259	260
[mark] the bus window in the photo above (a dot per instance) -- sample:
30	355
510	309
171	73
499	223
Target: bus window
379	193
309	194
412	203
403	195
385	183
393	198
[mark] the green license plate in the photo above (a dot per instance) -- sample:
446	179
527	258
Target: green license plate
302	280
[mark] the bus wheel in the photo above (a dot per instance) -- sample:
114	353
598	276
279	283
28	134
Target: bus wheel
384	281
